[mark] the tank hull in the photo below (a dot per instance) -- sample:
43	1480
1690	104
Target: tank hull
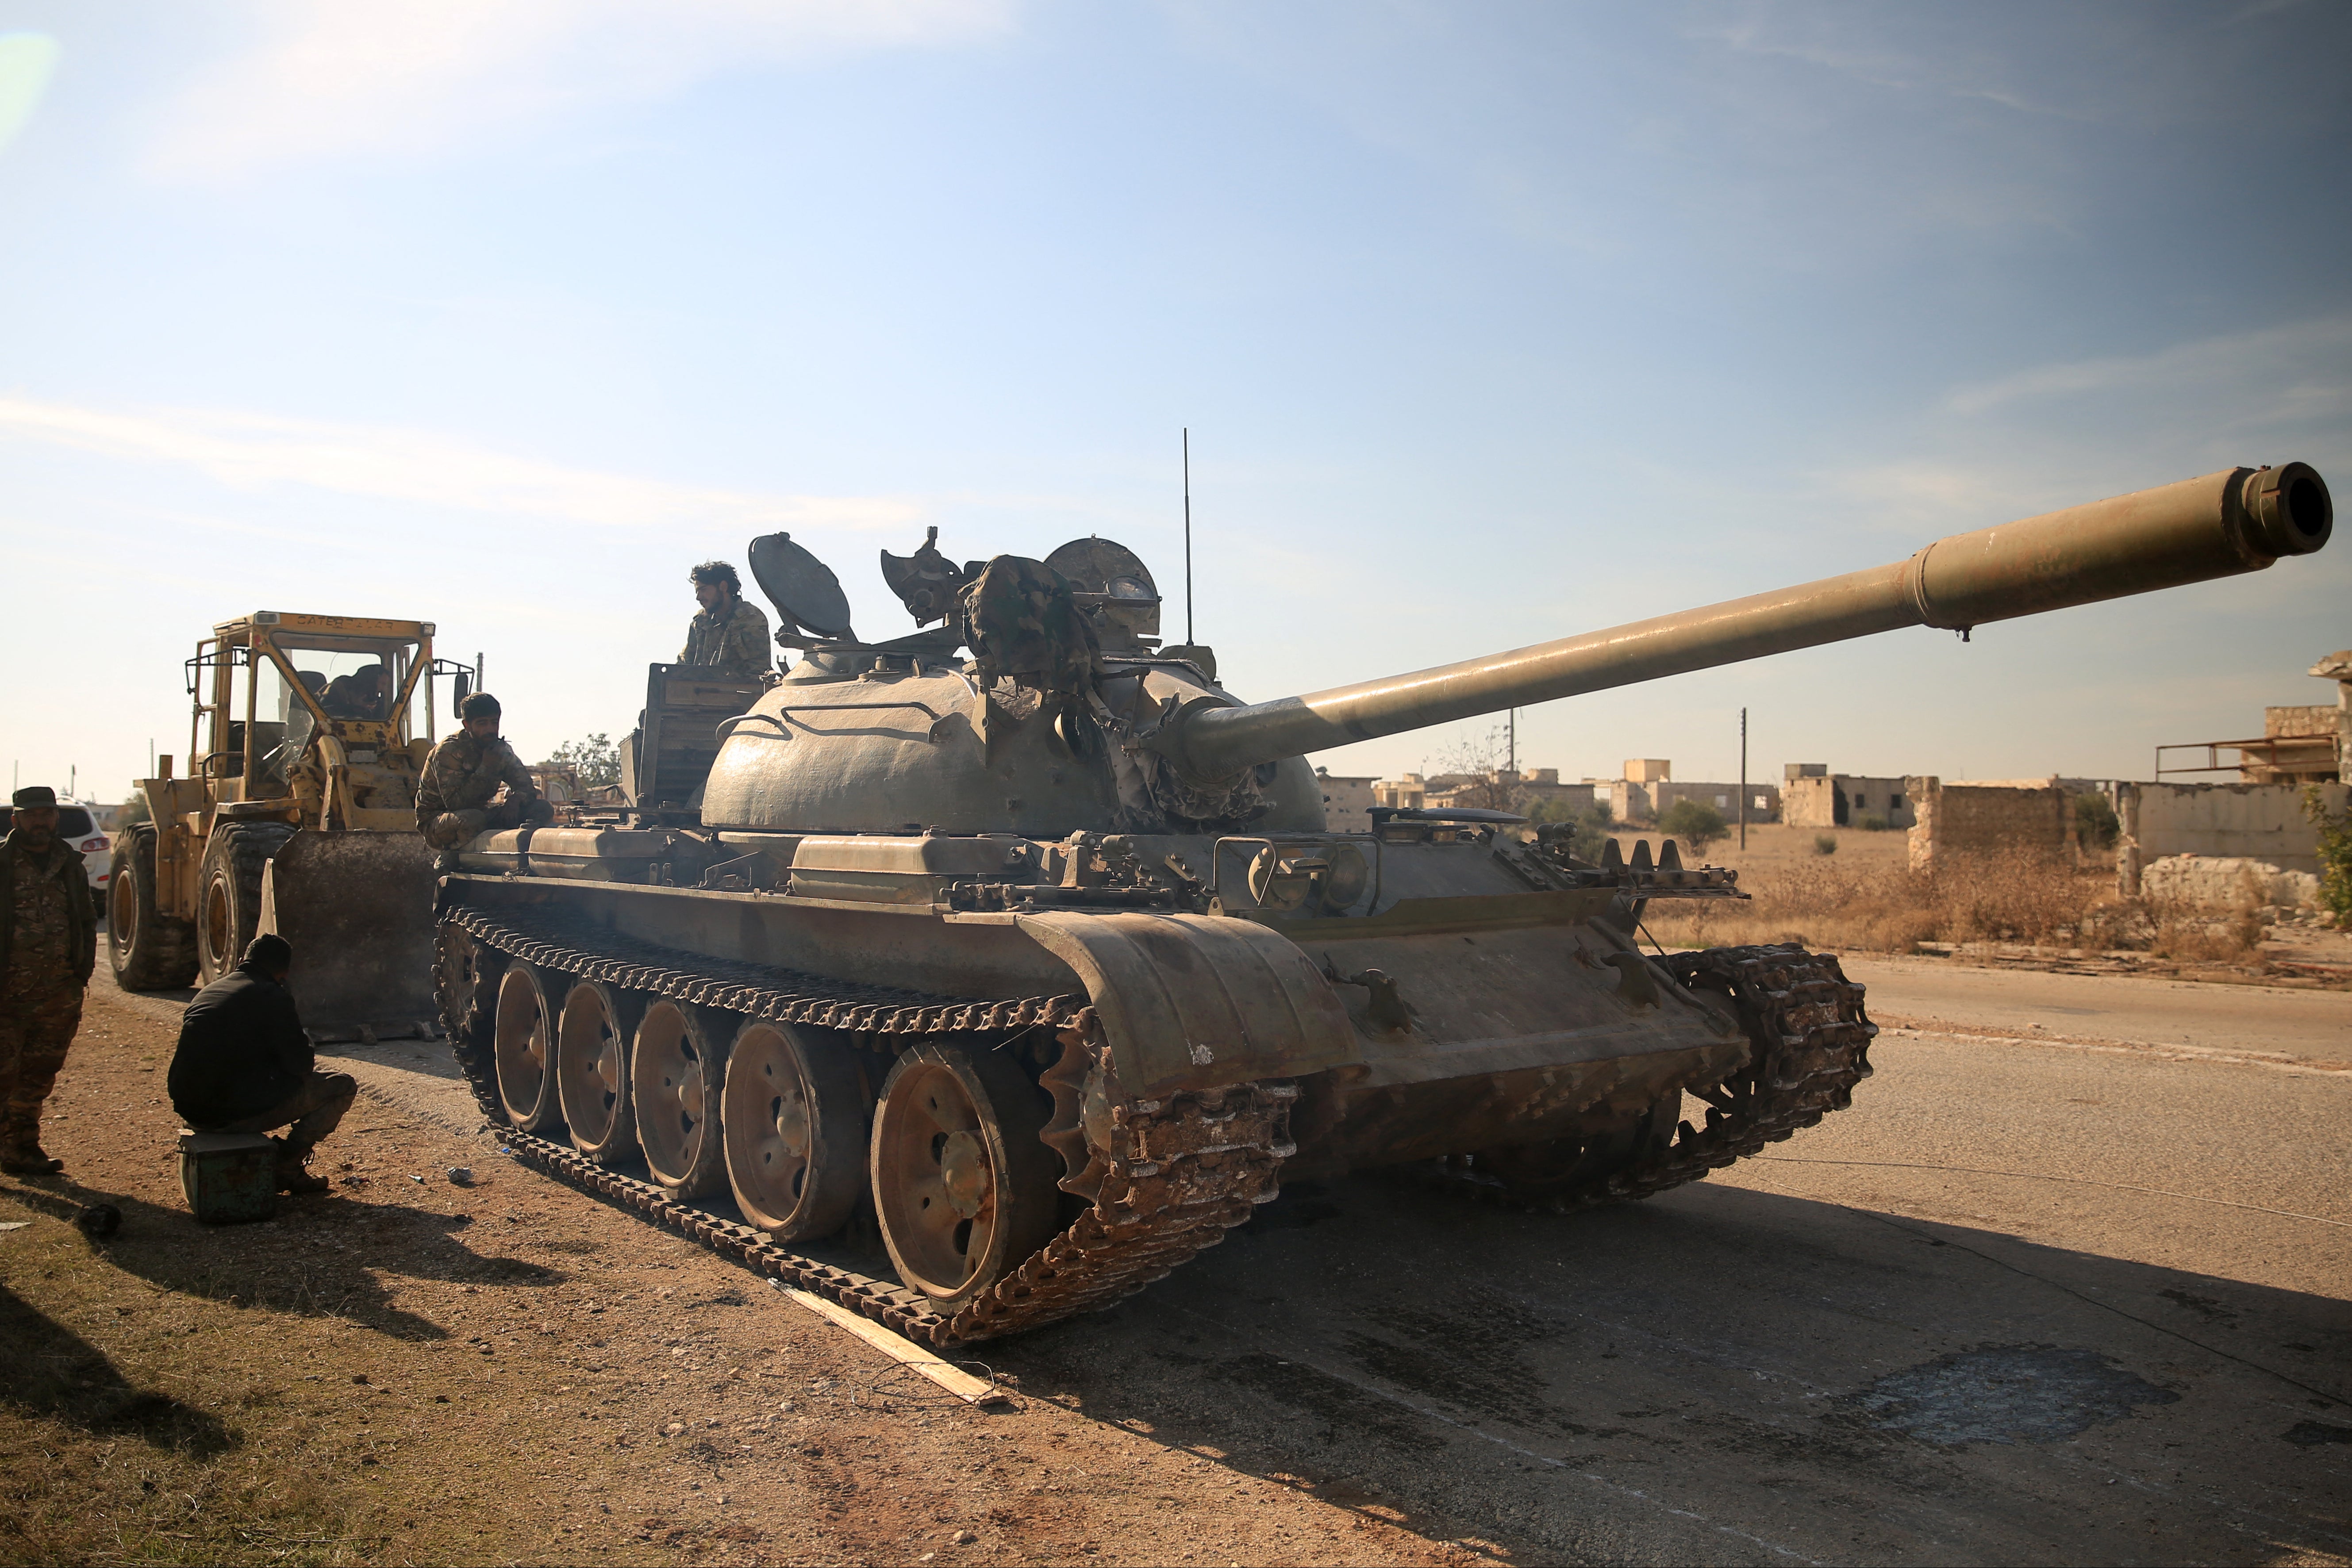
1524	1012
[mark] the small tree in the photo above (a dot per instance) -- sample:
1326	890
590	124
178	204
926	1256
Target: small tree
2334	853
593	760
1471	767
1695	822
2096	826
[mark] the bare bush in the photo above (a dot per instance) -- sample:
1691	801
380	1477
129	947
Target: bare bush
2020	898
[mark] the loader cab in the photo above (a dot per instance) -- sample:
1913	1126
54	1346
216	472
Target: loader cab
288	705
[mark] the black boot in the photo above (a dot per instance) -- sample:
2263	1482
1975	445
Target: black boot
293	1178
21	1153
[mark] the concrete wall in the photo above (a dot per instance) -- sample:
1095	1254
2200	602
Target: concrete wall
1346	801
2011	817
2227	884
1628	801
2252	821
1763	799
1843	799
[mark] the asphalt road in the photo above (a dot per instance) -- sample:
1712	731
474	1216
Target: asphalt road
2022	1303
2311	1023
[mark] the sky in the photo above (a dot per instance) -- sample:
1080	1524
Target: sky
1490	323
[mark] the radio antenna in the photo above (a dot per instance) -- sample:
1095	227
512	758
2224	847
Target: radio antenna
1187	534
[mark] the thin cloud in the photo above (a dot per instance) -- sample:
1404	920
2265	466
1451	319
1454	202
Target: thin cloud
405	78
2301	371
252	451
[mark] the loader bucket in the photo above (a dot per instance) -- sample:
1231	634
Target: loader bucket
358	907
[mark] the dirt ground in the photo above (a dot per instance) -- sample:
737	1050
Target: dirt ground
414	1372
2076	1300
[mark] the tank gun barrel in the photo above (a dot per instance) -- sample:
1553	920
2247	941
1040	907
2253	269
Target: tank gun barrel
2238	520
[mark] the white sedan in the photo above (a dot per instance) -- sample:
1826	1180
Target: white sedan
79	828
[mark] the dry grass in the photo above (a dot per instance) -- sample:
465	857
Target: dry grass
1881	906
1864	898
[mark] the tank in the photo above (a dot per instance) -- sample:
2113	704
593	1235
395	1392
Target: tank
993	971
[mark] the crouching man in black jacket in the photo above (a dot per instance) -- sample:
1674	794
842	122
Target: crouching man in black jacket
243	1064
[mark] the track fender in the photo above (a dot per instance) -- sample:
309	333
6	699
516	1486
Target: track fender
1193	1001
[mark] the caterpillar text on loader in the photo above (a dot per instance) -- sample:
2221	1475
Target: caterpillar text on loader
297	816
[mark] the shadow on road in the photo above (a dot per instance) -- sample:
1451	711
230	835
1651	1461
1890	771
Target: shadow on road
1724	1375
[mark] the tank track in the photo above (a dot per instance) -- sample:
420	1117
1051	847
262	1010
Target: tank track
1182	1171
1812	1041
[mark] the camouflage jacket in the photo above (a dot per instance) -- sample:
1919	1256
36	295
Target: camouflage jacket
463	774
731	642
44	913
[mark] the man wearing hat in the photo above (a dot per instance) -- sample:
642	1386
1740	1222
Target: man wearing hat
49	945
455	800
729	636
243	1064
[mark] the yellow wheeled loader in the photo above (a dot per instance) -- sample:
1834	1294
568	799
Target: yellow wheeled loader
298	815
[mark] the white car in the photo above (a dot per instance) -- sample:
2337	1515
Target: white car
78	827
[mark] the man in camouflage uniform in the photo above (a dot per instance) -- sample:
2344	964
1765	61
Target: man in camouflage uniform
730	636
48	944
456	797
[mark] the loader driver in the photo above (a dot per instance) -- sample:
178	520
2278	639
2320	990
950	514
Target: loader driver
460	793
730	636
359	694
243	1064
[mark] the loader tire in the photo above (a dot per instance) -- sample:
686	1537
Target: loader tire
150	951
228	893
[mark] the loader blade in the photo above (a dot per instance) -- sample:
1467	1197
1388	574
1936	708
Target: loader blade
358	907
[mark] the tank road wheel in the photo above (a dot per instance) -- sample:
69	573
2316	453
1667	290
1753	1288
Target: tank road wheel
795	1131
149	950
592	1071
228	894
963	1185
677	1068
522	1032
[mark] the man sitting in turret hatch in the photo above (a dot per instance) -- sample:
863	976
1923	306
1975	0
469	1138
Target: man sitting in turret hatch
729	636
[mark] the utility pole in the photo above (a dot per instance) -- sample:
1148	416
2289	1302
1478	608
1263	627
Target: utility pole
1514	732
1743	779
1187	534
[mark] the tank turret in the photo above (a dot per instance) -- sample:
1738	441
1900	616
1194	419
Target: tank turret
1069	717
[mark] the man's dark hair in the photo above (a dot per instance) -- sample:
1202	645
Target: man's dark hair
269	954
481	705
718	571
